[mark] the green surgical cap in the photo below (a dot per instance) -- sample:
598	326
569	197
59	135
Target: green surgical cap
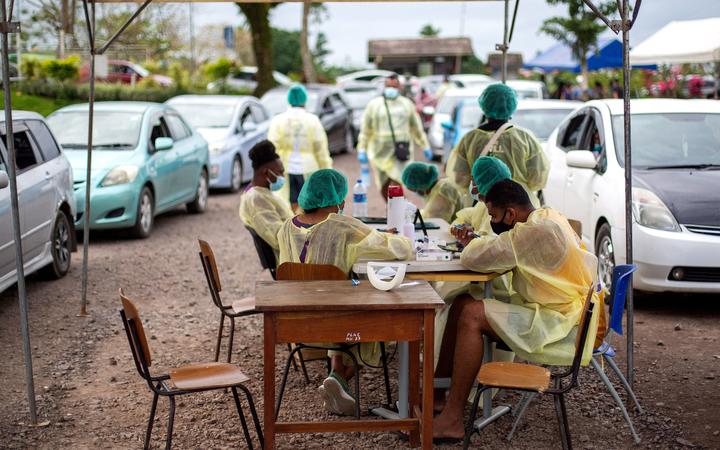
419	176
325	187
498	101
297	95
487	171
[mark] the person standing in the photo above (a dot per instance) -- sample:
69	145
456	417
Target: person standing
301	142
390	125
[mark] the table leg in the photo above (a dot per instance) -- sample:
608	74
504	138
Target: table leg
414	384
428	375
487	357
269	379
403	370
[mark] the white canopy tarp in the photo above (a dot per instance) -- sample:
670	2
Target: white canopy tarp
681	42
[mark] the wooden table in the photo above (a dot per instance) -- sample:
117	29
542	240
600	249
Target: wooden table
337	311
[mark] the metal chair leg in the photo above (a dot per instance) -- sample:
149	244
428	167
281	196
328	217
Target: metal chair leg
302	366
171	421
611	362
523	404
562	421
386	375
284	380
615	396
294	364
232	338
148	433
219	337
243	422
253	413
469	427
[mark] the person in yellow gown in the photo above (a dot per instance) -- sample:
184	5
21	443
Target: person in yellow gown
442	199
552	273
323	235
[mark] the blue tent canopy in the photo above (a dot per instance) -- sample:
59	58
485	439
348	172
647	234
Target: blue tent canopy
560	57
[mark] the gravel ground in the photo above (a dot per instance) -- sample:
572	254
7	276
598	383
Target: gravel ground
90	396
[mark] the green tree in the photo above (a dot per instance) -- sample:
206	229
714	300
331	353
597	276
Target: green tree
579	29
472	64
258	19
320	51
286	51
429	31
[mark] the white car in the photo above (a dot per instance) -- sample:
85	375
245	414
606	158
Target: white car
244	79
676	174
370	75
529	89
46	201
443	113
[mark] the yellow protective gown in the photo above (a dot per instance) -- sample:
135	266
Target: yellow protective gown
341	241
443	201
376	139
516	147
551	276
297	129
265	213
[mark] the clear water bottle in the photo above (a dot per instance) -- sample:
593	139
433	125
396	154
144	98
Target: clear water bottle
360	208
365	169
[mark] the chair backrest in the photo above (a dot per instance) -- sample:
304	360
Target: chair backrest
621	277
136	335
582	333
576	225
299	271
207	256
264	251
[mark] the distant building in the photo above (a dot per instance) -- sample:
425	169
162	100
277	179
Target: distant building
514	64
421	56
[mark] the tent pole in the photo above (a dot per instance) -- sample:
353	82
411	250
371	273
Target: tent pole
90	22
504	47
5	28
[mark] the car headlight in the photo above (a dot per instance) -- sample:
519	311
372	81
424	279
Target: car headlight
216	148
649	211
120	175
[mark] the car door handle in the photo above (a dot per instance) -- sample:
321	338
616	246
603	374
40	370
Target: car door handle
48	175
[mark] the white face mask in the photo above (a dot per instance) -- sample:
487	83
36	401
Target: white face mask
475	196
391	93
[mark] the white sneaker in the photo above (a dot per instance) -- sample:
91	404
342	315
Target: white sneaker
337	401
326	402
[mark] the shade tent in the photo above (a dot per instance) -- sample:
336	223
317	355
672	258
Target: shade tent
559	57
681	42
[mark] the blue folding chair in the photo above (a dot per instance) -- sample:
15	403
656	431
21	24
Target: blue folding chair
620	284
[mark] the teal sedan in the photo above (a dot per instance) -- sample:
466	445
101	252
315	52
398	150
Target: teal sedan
145	160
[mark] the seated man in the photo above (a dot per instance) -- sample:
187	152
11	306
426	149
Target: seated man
322	235
551	276
442	199
259	208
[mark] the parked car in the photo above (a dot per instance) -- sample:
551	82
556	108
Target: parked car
358	95
46	201
146	160
370	75
462	80
443	113
676	174
539	116
231	125
243	79
529	89
125	72
329	104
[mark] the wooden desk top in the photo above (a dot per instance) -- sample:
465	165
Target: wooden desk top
296	296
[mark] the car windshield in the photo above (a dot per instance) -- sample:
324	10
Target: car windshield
276	102
541	122
670	139
527	93
447	103
206	115
359	98
112	130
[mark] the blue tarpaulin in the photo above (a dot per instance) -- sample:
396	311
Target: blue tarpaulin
560	57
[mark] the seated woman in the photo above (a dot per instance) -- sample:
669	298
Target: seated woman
442	199
322	235
551	276
260	209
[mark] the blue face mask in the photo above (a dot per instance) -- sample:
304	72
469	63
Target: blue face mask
278	183
391	93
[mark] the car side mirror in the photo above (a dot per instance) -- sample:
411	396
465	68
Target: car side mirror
163	143
428	110
447	125
4	180
581	159
249	127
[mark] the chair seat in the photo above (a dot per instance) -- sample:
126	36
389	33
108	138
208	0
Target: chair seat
514	375
244	305
207	376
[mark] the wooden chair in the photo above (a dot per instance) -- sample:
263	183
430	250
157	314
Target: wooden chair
266	254
299	271
536	379
185	379
239	308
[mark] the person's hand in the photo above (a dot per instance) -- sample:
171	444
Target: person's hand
465	239
461	230
428	154
390	230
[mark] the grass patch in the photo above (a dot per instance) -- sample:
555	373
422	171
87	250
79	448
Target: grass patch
40	105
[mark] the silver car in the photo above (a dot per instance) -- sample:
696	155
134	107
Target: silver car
46	200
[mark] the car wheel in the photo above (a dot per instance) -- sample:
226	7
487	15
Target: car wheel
60	247
145	217
198	205
605	252
236	175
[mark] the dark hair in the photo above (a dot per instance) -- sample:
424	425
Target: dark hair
262	153
507	194
393	76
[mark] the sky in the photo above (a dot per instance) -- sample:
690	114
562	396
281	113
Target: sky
350	25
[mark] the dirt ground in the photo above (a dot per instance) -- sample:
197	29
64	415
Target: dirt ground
90	396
